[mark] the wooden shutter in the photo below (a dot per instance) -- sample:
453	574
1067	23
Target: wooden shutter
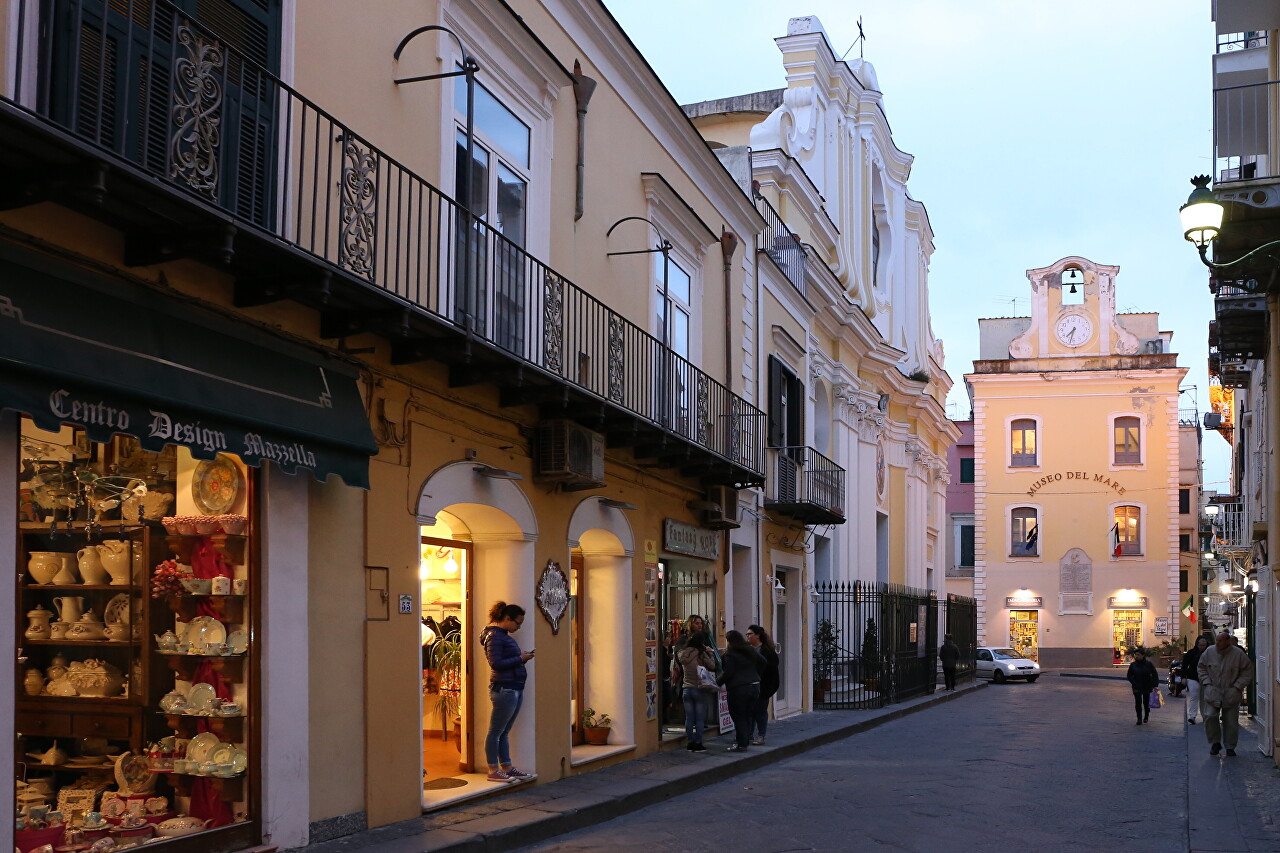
777	417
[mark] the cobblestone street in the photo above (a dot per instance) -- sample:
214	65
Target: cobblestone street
1054	766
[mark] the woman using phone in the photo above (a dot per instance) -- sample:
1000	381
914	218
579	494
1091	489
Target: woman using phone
506	688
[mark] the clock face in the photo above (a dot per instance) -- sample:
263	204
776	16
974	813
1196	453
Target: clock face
1073	330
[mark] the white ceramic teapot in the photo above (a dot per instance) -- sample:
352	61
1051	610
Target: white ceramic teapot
115	554
91	569
168	641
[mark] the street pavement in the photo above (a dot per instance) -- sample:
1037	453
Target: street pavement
1054	766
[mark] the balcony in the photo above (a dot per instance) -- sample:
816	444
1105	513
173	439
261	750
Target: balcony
1245	132
781	245
194	151
805	485
1231	529
1241	320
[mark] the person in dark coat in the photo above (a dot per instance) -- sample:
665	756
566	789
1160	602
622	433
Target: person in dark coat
1143	678
743	666
949	655
770	679
1190	662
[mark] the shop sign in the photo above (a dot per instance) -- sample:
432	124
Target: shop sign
1136	603
1162	625
1027	603
691	540
553	594
1076	476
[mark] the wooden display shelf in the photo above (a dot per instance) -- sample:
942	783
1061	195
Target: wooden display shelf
78	526
229	545
74	587
73	768
105	643
228	729
229	608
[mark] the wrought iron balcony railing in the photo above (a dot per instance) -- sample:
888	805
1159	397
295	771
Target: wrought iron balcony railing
148	88
805	485
1246	137
782	245
1229	42
1231	529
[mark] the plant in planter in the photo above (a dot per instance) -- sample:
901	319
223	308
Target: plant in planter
871	656
446	660
596	726
1170	649
826	648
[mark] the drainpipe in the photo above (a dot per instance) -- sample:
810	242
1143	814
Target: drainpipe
728	247
583	88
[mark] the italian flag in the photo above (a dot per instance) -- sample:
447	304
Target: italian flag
1188	611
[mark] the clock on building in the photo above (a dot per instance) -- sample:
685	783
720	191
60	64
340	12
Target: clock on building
1073	329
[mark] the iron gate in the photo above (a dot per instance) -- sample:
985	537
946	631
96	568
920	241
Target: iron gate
960	620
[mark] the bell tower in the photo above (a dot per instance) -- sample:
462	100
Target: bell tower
1073	313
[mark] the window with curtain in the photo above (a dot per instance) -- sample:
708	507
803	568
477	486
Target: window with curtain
1024	532
1023	443
1127	532
1127	449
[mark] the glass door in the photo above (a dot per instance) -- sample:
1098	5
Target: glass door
1126	632
1024	632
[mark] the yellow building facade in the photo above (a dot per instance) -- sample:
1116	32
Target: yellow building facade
1076	442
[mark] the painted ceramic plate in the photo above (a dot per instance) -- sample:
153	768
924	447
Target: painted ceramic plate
117	610
133	773
239	759
113	807
238	641
199	698
221	754
205	629
216	485
201	745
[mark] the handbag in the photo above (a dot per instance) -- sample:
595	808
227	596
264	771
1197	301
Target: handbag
707	679
1155	699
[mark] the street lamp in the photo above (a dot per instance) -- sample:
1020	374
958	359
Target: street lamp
1211	511
1202	221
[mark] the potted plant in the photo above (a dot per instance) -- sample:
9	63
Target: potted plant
1170	649
446	660
871	656
826	648
595	726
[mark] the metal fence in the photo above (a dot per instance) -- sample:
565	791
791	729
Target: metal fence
782	245
146	83
876	644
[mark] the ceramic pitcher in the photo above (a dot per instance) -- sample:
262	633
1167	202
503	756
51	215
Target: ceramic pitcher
90	563
114	554
69	607
66	569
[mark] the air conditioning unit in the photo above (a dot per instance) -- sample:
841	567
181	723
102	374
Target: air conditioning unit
725	517
570	454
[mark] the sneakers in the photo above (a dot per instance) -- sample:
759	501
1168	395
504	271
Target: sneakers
733	747
1231	753
500	776
757	741
1215	749
519	775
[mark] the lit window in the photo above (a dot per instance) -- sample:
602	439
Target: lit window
1023	443
1127	449
1024	532
1126	533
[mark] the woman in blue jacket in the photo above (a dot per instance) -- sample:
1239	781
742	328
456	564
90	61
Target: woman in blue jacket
506	688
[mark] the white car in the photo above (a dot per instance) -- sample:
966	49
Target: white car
1000	665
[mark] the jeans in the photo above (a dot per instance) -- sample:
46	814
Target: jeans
697	704
949	677
760	715
1193	699
1140	700
1222	725
741	700
506	704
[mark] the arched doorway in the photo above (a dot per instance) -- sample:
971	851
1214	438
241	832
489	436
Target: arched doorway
476	537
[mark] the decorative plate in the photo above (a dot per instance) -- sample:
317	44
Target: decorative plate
239	759
199	697
204	629
133	774
238	641
221	754
117	610
216	485
201	745
113	808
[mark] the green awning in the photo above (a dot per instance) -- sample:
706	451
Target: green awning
112	356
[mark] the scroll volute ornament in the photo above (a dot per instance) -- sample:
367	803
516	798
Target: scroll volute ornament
553	594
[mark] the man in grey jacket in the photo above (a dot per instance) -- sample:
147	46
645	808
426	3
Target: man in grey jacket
1225	672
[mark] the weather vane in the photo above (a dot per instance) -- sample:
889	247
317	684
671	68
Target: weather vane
858	42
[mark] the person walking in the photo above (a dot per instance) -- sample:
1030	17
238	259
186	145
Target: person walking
697	696
759	639
506	688
1143	678
743	666
1190	661
1225	673
949	655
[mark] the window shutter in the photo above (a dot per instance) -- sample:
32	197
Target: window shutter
777	426
967	546
795	412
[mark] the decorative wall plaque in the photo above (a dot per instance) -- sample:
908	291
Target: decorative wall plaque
553	594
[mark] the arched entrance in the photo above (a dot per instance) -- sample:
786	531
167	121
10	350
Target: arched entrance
476	543
601	618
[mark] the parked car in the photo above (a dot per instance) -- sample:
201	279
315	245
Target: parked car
1000	665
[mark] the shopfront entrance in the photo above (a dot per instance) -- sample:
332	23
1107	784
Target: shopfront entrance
686	588
1024	633
444	574
1126	632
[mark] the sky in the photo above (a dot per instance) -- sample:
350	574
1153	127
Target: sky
1040	129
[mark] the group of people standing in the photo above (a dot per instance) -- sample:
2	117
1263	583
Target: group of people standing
747	669
1217	677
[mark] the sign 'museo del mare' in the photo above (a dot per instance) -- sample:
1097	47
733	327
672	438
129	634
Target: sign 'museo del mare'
681	538
1078	477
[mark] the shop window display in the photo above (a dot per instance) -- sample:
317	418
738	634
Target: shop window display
134	709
